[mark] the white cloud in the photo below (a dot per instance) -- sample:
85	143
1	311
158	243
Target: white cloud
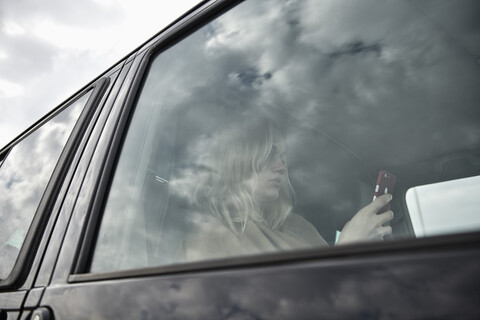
11	28
51	50
9	89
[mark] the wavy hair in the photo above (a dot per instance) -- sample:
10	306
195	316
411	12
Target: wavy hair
227	190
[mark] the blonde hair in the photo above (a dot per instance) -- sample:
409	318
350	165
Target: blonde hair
227	191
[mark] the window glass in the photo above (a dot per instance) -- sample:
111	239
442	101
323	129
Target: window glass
445	207
264	130
24	175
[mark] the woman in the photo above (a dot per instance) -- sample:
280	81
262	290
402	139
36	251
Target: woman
250	201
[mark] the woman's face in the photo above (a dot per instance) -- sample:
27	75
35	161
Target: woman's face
270	179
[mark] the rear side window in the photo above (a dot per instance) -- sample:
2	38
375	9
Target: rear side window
24	175
264	130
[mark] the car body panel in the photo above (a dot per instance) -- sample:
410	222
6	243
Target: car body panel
370	286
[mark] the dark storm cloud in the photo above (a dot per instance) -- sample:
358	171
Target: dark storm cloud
460	24
332	67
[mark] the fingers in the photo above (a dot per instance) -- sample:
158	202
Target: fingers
385	217
368	224
376	205
380	202
384	231
383	228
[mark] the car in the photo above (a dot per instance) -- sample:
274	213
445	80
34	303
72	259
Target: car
223	170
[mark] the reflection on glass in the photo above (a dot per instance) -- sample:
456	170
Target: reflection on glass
24	176
445	207
344	92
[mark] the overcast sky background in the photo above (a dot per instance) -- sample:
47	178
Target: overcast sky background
50	49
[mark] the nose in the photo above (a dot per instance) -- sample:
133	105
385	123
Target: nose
280	170
279	166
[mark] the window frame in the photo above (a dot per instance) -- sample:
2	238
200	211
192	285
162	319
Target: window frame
41	216
4	154
190	22
176	32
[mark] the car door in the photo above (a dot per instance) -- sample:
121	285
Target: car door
33	168
349	89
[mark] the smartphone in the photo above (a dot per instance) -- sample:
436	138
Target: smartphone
385	184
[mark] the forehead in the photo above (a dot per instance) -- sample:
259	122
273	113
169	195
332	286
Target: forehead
278	141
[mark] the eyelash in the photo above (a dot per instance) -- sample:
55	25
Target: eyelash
272	153
270	156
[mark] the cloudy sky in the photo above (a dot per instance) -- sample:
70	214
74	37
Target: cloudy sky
50	49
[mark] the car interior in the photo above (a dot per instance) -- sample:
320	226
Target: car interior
333	173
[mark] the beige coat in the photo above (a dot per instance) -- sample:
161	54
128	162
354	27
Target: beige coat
211	239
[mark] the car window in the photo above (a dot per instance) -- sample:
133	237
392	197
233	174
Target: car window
265	129
24	175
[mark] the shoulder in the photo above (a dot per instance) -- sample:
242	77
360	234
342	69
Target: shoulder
206	240
296	222
211	239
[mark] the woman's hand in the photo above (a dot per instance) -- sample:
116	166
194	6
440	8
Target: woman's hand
367	225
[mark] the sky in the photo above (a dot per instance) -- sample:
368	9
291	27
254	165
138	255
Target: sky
50	49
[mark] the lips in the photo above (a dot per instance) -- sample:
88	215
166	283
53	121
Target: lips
276	181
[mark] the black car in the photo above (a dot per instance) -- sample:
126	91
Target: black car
226	169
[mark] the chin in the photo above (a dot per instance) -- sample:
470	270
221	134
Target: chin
269	197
